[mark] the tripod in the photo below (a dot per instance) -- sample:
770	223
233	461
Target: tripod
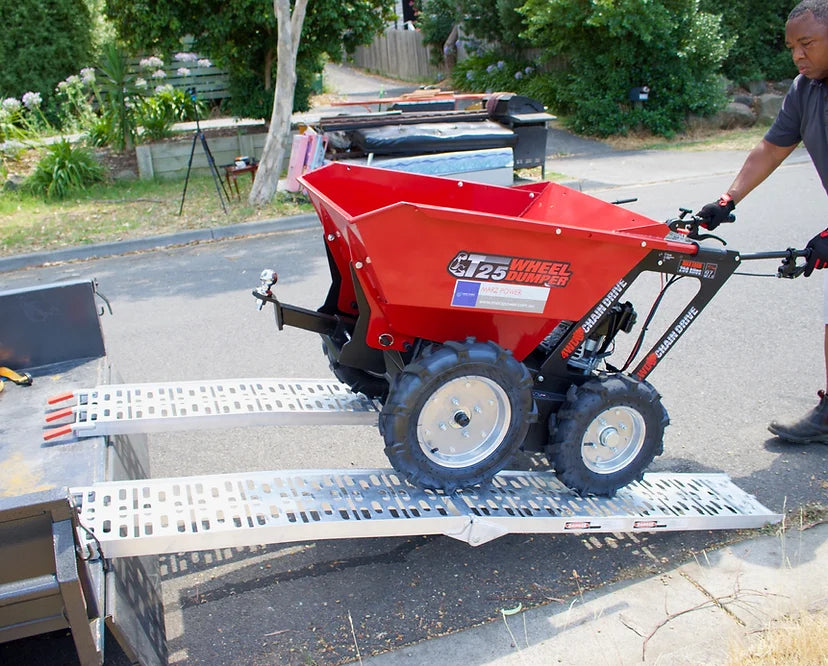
199	135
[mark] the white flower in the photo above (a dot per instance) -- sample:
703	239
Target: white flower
182	71
32	100
204	62
73	80
159	74
186	57
62	86
167	87
153	62
11	104
140	82
88	75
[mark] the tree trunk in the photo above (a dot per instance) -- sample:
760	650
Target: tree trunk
270	165
268	65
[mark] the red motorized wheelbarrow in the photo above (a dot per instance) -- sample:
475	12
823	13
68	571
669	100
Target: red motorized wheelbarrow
483	318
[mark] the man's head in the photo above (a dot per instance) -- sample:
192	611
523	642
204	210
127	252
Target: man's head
806	35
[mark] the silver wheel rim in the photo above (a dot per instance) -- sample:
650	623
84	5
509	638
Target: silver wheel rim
613	439
464	421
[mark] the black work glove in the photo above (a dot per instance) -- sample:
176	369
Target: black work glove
818	258
713	214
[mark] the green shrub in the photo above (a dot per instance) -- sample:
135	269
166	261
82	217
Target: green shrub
168	105
155	120
63	169
610	47
41	42
759	29
101	130
250	99
117	92
493	72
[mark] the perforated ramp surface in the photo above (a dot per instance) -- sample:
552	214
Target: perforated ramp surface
114	409
155	516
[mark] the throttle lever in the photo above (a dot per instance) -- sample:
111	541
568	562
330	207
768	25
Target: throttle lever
690	226
788	268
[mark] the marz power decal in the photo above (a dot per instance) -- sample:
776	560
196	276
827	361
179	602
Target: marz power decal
505	283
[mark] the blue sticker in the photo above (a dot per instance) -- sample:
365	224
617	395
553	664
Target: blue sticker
465	293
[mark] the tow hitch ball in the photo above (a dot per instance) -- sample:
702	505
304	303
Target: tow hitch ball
267	279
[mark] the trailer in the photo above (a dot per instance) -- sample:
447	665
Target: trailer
48	582
82	521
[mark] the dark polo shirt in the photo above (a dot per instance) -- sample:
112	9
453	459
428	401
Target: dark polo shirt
804	117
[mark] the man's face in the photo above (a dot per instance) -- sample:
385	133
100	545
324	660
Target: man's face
807	39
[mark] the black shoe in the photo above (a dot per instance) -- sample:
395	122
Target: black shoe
810	429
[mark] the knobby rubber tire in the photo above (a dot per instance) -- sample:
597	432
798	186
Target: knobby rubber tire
584	404
485	364
358	380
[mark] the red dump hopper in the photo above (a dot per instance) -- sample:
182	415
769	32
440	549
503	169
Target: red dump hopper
443	259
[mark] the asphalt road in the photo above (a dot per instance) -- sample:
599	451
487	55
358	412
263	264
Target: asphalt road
187	313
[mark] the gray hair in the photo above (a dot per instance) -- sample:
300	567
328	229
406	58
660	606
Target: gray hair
819	8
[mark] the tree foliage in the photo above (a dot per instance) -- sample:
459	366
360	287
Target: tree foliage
495	22
241	36
759	30
609	47
41	42
435	21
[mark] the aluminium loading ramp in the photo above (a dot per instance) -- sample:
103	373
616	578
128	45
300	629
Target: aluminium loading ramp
123	409
155	516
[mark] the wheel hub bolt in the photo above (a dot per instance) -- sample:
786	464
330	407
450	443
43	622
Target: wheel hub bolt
462	419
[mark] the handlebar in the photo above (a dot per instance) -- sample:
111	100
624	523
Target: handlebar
788	268
690	227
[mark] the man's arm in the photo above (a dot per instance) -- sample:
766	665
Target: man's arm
760	163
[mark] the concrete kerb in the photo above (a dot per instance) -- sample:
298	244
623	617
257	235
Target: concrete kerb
84	252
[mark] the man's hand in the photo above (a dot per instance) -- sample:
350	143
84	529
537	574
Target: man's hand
818	258
713	214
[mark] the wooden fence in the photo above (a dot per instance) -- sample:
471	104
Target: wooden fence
400	54
209	82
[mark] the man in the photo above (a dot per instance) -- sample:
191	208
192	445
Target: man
803	117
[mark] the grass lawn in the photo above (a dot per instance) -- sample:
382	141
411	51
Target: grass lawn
734	139
118	211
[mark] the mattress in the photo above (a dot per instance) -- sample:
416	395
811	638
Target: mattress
432	138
